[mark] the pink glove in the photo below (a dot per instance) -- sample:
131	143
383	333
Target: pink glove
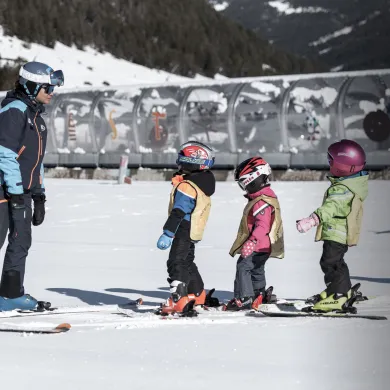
306	224
248	248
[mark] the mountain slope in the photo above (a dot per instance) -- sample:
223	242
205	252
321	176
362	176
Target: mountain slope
82	68
185	37
347	34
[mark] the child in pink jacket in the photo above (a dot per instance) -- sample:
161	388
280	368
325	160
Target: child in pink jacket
260	235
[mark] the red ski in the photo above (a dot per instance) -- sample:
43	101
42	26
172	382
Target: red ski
62	328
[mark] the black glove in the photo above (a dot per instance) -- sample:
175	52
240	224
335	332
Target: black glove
16	200
39	209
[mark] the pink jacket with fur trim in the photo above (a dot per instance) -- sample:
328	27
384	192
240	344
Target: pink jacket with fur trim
260	220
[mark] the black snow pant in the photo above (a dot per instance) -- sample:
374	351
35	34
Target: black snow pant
181	264
334	267
250	275
18	223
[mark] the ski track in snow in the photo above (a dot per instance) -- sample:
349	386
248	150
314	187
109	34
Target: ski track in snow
344	31
104	253
284	7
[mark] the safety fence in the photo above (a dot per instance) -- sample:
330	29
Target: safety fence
289	120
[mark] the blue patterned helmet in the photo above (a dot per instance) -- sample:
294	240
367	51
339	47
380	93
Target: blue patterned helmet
35	75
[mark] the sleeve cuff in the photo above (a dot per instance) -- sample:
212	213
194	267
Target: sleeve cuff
169	234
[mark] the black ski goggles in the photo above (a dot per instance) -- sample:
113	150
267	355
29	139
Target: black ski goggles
56	80
49	89
241	184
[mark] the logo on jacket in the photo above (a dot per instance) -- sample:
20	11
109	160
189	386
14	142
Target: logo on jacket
29	121
43	128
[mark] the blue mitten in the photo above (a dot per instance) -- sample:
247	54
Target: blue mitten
165	240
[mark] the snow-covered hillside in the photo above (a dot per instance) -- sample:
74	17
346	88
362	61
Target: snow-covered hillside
83	67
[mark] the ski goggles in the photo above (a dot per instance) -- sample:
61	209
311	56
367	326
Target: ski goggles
191	160
241	184
244	182
49	89
55	78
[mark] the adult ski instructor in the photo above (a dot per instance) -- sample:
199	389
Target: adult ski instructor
23	135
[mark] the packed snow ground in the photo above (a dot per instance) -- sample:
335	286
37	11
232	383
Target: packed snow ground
98	246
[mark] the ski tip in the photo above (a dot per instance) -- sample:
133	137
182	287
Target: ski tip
63	327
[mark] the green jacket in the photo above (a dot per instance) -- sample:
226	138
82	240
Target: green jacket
342	209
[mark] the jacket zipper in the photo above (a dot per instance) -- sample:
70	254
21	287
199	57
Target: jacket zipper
39	151
21	151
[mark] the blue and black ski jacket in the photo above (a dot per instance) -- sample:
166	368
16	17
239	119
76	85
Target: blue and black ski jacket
23	136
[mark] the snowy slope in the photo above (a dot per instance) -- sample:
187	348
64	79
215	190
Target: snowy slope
83	67
97	246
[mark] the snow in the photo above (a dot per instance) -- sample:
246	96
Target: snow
268	67
337	68
98	246
84	66
327	95
208	95
344	31
267	91
266	88
219	7
324	51
284	7
370	17
367	106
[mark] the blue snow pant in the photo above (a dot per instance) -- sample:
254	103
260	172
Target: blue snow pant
18	223
250	275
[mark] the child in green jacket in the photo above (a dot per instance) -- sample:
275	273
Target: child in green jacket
338	222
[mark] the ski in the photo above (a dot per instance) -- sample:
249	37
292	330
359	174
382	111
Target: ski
135	311
57	311
67	310
271	312
62	328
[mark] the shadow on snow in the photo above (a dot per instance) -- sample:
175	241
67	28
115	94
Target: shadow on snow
102	298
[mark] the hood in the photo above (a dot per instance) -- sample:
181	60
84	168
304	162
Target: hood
17	95
10	97
205	180
358	183
268	191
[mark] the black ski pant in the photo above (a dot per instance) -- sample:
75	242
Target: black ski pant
181	264
334	267
17	223
250	275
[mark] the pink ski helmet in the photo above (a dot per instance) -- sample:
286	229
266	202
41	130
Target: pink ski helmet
345	158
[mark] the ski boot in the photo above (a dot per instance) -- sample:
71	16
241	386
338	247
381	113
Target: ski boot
262	298
178	302
360	297
198	298
237	304
341	303
316	298
25	302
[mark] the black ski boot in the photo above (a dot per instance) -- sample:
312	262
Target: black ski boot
211	301
237	304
